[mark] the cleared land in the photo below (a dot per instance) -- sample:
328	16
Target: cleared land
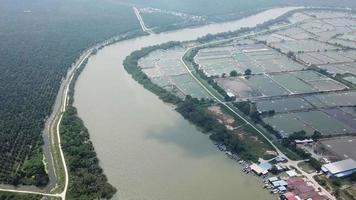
165	69
281	79
343	147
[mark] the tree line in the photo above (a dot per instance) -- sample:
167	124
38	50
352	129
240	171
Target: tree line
40	40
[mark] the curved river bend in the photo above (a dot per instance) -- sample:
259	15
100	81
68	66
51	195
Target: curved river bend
147	150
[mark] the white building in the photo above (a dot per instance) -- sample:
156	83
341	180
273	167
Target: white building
340	169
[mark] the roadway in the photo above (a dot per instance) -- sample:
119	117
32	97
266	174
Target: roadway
293	164
56	124
142	23
64	103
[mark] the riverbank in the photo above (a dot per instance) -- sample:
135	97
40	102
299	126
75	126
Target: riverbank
184	24
65	99
196	111
53	157
152	141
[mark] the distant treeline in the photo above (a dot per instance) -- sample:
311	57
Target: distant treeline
39	41
18	196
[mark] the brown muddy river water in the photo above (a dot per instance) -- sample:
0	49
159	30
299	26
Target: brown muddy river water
147	150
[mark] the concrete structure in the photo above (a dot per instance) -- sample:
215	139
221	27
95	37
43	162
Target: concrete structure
230	95
266	166
279	183
291	173
340	169
257	169
272	179
305	141
282	188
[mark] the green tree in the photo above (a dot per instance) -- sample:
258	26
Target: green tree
233	73
274	170
291	55
248	72
315	163
336	181
316	135
300	135
353	177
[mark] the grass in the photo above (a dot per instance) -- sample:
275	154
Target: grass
290	154
350	193
201	80
18	196
238	120
256	144
305	166
57	160
342	188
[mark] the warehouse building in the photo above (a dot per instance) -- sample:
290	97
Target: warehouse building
340	169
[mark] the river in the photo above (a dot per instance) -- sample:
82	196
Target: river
147	150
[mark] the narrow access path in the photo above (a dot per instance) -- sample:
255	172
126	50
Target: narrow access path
292	163
30	192
142	23
62	110
56	123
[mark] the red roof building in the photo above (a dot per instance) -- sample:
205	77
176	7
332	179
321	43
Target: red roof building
301	189
290	196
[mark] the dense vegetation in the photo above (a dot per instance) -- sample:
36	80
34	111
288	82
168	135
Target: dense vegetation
157	18
160	22
214	10
244	30
131	66
33	172
17	196
40	39
319	3
223	10
87	180
190	108
195	111
227	9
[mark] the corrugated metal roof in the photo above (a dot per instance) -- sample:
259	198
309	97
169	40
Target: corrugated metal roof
272	179
340	166
291	173
279	183
257	169
265	166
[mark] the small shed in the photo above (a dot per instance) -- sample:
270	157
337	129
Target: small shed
273	179
282	188
305	141
279	183
257	169
281	159
292	173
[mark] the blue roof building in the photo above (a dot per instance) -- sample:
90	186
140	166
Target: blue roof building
340	169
